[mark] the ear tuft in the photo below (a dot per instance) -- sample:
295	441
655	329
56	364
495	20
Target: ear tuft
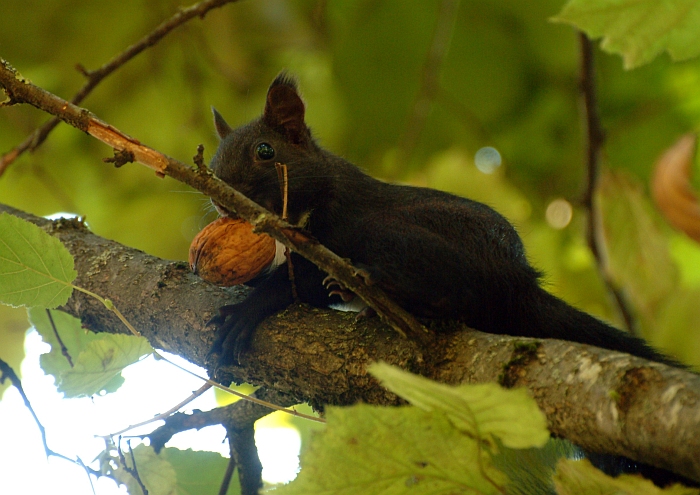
284	79
284	109
222	127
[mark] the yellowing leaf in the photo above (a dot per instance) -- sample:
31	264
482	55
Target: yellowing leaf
671	190
638	29
100	364
35	268
480	410
638	256
581	478
393	451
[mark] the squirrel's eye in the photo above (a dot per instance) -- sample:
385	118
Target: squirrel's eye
264	151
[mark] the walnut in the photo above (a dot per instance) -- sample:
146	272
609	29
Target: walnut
227	252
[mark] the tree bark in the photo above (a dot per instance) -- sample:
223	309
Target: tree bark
603	401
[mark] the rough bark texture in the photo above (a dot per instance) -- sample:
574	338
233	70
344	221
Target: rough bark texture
601	400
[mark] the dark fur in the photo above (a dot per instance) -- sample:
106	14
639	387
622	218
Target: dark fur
436	254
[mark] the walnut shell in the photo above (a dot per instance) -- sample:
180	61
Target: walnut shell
227	252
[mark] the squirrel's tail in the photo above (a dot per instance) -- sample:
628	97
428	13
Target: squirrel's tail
550	317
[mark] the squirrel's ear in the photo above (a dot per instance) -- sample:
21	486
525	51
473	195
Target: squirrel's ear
284	109
222	128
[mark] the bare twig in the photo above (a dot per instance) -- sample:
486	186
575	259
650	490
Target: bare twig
168	413
238	415
199	158
283	179
6	372
94	77
430	87
64	349
133	471
230	467
595	137
21	91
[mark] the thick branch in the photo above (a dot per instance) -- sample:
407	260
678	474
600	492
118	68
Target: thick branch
244	451
129	149
601	400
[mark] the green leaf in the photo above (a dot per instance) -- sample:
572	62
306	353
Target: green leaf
638	29
199	472
175	472
530	471
480	410
156	473
98	367
640	260
35	268
581	478
392	451
74	337
97	358
675	330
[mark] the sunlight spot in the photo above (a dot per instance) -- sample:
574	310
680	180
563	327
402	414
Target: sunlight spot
61	214
487	159
278	449
559	213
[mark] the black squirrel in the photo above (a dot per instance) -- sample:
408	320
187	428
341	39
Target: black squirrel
435	254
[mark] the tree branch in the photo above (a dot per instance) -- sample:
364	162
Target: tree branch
94	77
595	137
6	372
603	401
244	451
239	415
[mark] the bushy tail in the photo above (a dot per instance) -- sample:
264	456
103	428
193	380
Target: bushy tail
550	317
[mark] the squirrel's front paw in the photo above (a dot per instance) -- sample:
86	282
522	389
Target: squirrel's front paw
233	335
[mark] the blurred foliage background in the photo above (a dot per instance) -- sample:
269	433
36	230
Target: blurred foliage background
380	90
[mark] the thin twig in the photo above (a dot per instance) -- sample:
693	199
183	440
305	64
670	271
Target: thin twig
283	179
230	467
595	137
88	471
430	80
94	77
64	349
239	415
133	471
6	372
284	187
168	413
199	158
